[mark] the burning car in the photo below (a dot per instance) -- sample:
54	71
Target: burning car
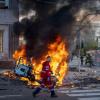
57	50
22	70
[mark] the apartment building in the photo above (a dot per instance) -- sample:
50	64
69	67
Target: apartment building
8	15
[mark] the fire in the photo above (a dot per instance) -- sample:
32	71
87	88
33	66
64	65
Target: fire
59	55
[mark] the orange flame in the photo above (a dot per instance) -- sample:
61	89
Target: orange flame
59	55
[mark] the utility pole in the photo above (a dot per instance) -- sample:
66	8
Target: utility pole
79	48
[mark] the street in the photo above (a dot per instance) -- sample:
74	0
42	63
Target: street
29	97
85	93
16	90
23	93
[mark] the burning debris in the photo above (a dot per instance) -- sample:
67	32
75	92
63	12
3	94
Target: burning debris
47	32
57	51
9	74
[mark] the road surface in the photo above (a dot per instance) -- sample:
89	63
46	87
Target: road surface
85	93
16	90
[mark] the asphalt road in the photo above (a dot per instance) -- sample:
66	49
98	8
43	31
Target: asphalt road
16	90
39	97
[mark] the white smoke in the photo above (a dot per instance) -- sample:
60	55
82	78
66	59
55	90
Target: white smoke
29	15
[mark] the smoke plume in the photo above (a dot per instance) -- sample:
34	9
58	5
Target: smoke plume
49	23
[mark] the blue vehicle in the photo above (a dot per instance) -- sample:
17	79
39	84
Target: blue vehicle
22	70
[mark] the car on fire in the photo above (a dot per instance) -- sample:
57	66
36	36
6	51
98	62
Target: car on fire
22	70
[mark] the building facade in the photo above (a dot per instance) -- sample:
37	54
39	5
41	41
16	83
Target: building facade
8	15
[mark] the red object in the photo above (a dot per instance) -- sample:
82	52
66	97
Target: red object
46	74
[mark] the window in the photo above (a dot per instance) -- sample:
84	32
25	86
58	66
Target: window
4	4
1	40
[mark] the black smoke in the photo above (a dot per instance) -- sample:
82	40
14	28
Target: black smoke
49	24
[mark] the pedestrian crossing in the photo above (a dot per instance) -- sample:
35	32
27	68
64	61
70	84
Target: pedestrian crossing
6	96
82	94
